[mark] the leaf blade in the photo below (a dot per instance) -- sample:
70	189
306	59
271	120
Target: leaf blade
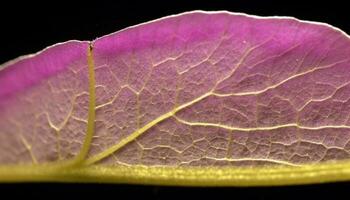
206	97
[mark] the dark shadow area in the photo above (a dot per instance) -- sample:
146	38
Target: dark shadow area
115	191
29	27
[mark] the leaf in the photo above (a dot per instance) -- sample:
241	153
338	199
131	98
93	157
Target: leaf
200	98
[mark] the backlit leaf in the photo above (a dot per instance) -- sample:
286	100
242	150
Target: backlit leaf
200	98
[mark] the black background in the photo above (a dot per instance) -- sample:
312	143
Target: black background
29	27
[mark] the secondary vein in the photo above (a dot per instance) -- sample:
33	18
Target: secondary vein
138	132
91	113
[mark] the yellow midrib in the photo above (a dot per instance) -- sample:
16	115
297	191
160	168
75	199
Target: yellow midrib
190	176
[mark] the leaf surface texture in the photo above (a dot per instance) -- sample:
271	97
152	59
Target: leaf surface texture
187	99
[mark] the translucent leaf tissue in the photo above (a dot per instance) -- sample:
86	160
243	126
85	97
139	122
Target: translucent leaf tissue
199	98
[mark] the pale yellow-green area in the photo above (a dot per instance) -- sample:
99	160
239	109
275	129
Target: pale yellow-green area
188	176
83	169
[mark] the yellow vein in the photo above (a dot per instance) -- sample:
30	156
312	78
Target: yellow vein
189	175
258	128
283	81
171	113
91	113
137	133
247	160
29	148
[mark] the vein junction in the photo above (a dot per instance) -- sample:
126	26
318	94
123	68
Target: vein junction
172	113
138	132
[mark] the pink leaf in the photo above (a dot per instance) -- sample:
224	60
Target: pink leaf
203	89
